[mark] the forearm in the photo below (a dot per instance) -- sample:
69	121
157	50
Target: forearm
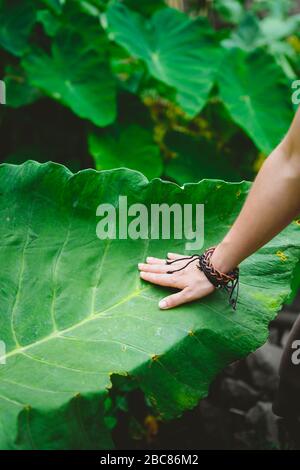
274	200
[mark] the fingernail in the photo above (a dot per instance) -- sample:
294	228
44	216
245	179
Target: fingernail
163	304
141	273
140	265
149	258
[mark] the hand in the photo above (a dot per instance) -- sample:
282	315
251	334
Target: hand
191	282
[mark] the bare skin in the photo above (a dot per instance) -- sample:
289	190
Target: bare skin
273	202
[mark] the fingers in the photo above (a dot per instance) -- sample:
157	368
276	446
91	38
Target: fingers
154	268
174	256
158	265
171	256
161	279
152	260
182	297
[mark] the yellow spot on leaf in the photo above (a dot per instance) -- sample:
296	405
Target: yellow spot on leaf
155	357
281	256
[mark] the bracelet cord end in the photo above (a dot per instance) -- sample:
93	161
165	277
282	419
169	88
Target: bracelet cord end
229	281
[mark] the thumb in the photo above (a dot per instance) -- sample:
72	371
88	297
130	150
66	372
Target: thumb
174	300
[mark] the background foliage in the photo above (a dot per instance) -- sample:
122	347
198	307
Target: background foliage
206	92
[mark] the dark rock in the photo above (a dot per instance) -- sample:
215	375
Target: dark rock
216	424
289	433
274	337
296	303
263	367
262	420
238	394
234	369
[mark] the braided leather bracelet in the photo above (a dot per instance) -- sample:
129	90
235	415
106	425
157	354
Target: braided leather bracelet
228	282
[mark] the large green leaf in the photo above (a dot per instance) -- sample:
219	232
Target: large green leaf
255	93
132	147
74	310
178	51
295	285
16	21
77	75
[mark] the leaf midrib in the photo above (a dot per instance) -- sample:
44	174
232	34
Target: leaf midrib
89	318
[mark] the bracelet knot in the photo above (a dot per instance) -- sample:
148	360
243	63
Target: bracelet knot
227	281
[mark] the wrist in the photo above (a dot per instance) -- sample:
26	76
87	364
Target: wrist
222	258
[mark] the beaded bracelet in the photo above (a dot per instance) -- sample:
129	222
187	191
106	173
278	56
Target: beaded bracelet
228	282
